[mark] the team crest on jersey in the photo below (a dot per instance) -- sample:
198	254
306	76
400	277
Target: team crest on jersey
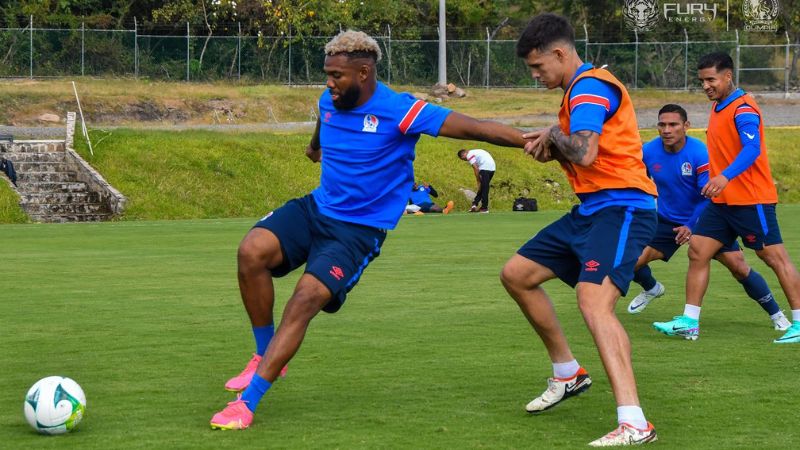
370	123
686	169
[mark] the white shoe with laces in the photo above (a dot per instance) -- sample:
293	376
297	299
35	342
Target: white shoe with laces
626	434
559	389
781	323
640	302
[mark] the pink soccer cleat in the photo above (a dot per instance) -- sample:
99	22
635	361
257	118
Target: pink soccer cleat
241	381
235	416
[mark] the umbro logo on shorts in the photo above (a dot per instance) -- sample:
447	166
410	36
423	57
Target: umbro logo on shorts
592	266
336	272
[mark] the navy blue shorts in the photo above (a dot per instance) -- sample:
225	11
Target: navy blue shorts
664	240
580	248
335	252
757	225
425	207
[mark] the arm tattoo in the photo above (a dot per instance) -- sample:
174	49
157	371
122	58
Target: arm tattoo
574	147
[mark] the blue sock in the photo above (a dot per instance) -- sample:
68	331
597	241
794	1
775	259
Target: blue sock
263	335
756	287
252	395
644	278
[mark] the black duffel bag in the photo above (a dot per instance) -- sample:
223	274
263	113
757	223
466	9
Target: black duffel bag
525	204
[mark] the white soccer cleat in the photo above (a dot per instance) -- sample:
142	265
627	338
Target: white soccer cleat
626	434
781	323
640	302
558	390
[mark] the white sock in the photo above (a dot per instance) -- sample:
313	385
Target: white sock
796	315
777	315
565	370
632	415
654	289
691	311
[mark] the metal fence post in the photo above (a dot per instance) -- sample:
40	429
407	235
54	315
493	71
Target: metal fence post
786	69
135	48
585	42
737	57
83	46
388	54
187	51
636	61
488	45
31	49
686	61
239	52
290	55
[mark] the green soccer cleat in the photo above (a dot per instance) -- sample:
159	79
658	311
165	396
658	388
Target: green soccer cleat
683	326
792	335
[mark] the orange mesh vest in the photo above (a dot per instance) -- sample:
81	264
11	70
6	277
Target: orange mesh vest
754	185
619	162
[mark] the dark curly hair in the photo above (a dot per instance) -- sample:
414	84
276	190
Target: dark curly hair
542	31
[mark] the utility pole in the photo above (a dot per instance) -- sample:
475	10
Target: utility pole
442	45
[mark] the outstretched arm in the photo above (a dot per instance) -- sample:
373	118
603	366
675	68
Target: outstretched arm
460	126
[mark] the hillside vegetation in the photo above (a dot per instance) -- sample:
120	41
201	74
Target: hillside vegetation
204	174
143	102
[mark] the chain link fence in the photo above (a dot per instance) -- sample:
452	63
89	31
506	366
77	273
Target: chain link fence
32	52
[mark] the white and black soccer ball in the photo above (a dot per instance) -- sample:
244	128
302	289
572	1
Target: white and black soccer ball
55	405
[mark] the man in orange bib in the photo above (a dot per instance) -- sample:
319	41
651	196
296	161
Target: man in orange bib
594	247
743	198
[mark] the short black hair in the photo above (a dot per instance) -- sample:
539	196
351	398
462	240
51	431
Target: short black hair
458	153
718	60
673	108
542	31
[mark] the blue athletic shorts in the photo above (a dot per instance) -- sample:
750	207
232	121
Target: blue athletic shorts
664	240
757	225
580	248
335	252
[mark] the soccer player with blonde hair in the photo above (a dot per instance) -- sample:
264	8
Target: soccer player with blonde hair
365	136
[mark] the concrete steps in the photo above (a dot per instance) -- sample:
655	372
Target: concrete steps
56	185
49	189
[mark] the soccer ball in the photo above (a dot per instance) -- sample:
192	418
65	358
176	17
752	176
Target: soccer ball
55	405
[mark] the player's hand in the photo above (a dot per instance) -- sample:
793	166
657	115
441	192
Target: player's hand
538	145
714	186
313	155
682	234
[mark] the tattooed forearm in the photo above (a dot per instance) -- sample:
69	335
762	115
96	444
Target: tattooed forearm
574	147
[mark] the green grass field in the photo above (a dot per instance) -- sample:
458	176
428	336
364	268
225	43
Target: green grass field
204	174
428	352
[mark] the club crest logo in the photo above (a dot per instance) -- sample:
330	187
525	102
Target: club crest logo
686	169
760	15
640	15
370	123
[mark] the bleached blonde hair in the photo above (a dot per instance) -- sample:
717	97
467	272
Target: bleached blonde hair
353	42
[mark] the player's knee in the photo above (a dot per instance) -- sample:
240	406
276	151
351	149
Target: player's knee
697	256
512	276
247	256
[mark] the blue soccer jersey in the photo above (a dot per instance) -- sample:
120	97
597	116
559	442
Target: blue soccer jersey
421	195
679	178
368	155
